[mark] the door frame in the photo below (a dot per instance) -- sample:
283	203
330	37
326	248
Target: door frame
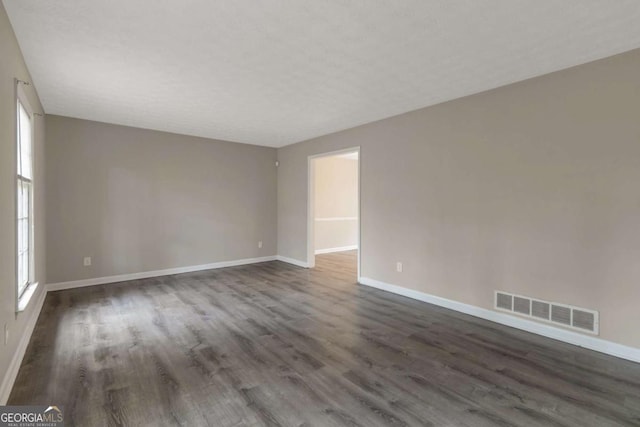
311	179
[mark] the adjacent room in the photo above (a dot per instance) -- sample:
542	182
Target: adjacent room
334	203
320	213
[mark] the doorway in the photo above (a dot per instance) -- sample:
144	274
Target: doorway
333	228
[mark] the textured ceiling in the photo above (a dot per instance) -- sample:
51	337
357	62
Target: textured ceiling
274	72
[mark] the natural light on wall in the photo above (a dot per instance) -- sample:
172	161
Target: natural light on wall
25	198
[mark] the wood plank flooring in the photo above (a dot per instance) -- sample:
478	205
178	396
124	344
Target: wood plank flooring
276	345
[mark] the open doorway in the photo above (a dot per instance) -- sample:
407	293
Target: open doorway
333	239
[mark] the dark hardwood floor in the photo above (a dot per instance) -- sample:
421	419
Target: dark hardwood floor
272	344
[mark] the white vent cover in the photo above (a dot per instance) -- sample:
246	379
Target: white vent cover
568	316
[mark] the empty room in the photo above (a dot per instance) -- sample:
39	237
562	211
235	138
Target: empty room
320	213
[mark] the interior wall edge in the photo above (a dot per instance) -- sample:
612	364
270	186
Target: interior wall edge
293	261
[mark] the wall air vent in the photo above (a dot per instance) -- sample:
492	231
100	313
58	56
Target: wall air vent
504	301
522	305
540	309
581	319
560	314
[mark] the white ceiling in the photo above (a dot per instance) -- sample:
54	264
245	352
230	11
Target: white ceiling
274	72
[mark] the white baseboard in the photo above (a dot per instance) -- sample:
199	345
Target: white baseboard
157	273
338	249
16	361
293	261
590	342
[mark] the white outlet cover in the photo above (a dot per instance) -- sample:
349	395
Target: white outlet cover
399	267
87	261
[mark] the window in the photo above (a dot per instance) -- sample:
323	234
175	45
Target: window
24	211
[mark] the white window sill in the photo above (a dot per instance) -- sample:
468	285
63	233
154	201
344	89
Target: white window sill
24	299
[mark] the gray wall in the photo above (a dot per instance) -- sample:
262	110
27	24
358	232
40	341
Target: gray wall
139	200
12	66
336	198
532	188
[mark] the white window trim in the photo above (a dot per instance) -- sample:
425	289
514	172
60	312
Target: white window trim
23	298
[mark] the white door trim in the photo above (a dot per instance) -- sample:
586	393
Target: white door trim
311	256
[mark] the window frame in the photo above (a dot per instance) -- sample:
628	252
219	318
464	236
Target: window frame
24	294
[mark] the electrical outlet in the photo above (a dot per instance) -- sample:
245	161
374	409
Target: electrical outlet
87	261
399	267
6	333
260	244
